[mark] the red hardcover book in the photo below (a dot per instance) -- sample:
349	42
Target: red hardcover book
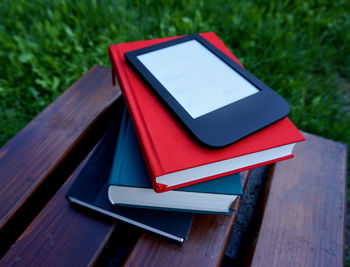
173	158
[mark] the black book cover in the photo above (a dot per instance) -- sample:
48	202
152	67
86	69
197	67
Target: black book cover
90	190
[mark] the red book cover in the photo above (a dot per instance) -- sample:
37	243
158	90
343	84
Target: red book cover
173	158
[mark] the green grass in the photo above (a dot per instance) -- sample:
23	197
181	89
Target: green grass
300	48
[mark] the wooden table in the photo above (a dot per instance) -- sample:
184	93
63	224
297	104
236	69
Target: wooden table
302	214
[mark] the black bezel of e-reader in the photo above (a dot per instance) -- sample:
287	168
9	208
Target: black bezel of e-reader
229	123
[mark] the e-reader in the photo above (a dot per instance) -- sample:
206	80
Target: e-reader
219	101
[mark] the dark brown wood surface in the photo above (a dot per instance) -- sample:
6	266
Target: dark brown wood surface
61	236
205	245
303	222
38	160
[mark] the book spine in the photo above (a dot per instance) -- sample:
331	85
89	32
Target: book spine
152	161
118	159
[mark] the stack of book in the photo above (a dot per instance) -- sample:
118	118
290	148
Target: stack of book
151	171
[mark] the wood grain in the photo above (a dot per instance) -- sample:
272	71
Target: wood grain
38	160
61	236
303	222
205	246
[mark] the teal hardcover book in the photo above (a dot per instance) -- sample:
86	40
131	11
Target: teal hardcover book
129	183
90	187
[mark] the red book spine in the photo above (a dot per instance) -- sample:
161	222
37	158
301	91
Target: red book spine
152	162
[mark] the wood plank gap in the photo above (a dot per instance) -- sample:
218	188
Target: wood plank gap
249	216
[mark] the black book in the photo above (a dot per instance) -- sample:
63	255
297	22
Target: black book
90	190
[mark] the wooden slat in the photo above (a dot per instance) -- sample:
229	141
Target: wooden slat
61	236
205	246
64	236
37	161
303	222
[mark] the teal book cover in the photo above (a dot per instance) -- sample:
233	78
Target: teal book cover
90	187
129	175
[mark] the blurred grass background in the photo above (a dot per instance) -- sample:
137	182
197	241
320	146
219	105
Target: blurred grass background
300	48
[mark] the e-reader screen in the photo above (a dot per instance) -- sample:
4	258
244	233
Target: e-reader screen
199	80
217	100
